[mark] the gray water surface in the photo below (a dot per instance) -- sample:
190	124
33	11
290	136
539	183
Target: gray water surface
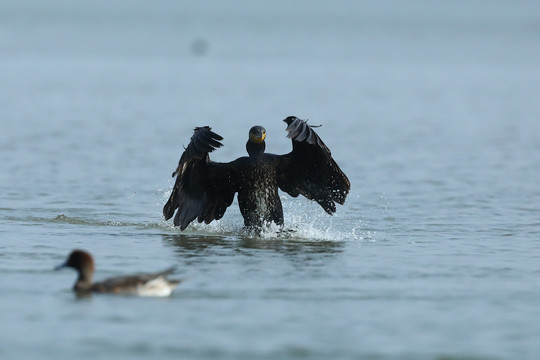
430	108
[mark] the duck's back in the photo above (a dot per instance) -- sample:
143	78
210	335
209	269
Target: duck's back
155	284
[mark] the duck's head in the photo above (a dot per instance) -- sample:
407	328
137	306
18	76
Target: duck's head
81	261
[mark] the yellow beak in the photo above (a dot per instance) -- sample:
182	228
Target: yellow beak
257	139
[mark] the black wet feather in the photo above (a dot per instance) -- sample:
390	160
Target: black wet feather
205	189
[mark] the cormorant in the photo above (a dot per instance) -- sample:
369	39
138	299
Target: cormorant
204	188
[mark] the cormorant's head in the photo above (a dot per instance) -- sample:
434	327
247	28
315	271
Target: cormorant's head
257	134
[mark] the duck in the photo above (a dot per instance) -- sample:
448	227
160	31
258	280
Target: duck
150	284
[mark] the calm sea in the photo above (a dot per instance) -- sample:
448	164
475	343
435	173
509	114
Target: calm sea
431	108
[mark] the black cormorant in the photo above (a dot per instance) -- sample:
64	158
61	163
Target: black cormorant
204	188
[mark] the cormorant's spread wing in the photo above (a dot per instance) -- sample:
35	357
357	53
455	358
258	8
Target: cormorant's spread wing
203	189
309	168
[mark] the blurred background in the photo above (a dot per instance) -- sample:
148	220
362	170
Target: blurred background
99	82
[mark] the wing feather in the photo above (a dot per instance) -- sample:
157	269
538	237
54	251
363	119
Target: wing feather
203	189
310	170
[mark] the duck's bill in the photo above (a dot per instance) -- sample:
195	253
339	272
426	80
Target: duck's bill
59	267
